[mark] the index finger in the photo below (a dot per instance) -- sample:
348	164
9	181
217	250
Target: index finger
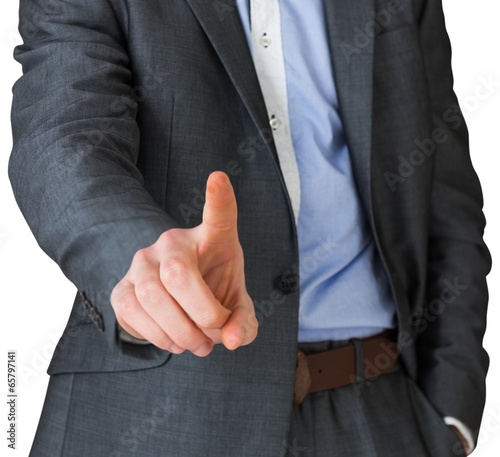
220	213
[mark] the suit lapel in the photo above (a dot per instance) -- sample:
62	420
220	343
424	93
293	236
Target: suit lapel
221	22
352	58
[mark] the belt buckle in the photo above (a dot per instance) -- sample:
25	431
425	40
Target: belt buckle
302	379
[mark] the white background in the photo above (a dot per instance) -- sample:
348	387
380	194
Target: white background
36	297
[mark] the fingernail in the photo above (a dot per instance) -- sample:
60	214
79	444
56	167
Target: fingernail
204	350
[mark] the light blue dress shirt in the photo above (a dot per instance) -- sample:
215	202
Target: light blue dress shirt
344	290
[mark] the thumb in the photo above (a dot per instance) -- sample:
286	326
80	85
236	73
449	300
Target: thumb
220	212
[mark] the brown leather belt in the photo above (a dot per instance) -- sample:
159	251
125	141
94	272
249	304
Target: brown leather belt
340	366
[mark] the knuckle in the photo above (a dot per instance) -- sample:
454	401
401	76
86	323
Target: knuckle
222	226
210	319
147	289
117	291
188	339
166	235
126	305
142	255
175	270
169	238
161	340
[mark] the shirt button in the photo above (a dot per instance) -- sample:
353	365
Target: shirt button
274	122
265	40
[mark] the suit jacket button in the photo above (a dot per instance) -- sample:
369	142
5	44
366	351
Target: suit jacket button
287	283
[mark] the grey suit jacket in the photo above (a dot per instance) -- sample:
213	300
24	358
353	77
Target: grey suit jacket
126	106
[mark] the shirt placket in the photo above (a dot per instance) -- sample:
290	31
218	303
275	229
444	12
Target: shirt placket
269	64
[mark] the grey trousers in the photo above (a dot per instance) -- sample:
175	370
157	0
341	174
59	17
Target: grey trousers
386	417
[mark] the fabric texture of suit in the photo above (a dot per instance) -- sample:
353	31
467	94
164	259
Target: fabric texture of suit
126	107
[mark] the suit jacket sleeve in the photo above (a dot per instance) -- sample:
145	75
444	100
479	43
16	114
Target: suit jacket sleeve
76	143
453	363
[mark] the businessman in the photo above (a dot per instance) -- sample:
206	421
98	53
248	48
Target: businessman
270	214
